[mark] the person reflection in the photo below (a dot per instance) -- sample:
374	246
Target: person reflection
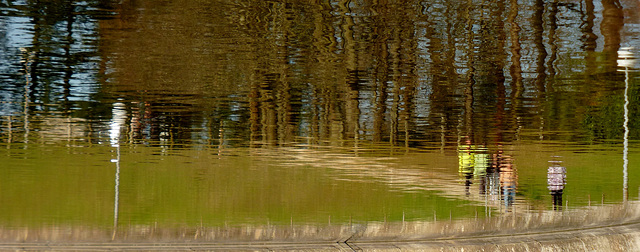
556	179
473	163
144	125
508	177
481	165
466	158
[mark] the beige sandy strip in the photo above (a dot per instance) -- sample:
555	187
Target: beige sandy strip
601	228
616	237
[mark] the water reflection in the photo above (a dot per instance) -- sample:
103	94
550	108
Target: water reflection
118	121
345	80
626	60
556	179
390	106
474	162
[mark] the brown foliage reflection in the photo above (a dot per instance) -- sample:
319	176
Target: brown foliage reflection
416	74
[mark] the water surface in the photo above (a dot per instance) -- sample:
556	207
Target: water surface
233	113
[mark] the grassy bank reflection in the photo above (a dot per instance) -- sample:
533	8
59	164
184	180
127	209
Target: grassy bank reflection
295	185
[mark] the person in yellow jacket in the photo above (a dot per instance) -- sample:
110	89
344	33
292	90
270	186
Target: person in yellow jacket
472	164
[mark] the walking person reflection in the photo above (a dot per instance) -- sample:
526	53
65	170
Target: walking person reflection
481	165
556	179
466	163
472	166
508	177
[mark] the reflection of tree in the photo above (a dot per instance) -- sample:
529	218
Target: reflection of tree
54	49
605	114
444	113
57	56
333	71
395	61
339	69
604	120
537	23
588	37
612	22
490	63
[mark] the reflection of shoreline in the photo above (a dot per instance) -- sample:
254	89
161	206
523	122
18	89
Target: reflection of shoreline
596	227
